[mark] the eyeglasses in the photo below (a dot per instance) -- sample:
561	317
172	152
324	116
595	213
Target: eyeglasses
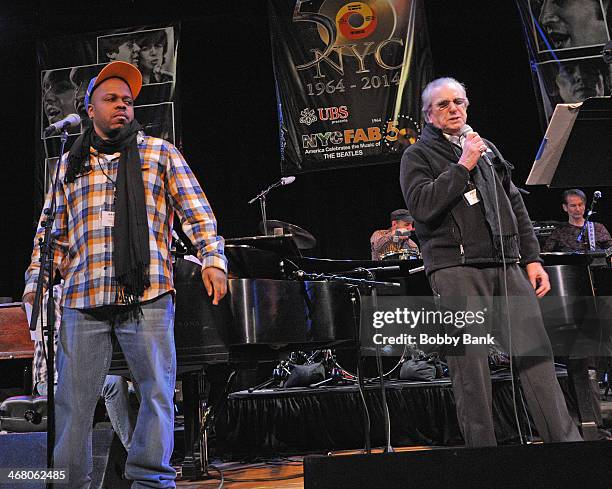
444	104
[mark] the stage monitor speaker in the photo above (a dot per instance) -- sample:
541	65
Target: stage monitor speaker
29	451
554	465
23	451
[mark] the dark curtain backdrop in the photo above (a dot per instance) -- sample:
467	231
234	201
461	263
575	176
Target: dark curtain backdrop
229	118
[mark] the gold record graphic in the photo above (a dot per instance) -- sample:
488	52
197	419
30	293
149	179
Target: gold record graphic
356	21
368	20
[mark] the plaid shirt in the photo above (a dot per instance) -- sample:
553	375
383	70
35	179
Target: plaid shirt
84	253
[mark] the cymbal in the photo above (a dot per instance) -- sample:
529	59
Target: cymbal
303	239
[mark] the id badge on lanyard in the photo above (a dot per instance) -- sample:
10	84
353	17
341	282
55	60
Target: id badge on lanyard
470	196
107	218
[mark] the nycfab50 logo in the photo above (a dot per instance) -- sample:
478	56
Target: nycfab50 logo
308	116
354	29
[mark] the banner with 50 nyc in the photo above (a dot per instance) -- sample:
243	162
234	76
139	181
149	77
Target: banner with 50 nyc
348	80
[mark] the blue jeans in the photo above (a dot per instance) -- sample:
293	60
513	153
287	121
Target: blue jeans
116	394
83	358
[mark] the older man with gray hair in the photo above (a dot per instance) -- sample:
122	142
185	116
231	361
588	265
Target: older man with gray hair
477	241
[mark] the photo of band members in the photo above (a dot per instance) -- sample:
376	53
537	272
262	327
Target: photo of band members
153	51
564	41
150	50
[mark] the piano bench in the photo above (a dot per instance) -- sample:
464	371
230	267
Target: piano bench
24	414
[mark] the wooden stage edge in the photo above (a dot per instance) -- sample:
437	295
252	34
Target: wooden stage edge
278	473
579	464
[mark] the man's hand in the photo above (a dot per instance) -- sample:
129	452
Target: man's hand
538	278
215	282
473	147
28	298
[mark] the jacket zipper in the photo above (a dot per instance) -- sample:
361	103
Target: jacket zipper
461	250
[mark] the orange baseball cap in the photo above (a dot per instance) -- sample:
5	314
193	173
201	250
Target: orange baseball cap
117	69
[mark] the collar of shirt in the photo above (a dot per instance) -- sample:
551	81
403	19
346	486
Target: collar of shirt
456	140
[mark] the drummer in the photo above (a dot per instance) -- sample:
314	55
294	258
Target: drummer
396	239
565	238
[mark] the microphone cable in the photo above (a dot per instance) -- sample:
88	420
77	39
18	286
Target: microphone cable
466	130
506	303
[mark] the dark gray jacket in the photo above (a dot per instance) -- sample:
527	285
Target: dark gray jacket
452	233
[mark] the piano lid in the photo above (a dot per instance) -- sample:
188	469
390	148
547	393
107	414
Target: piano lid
282	244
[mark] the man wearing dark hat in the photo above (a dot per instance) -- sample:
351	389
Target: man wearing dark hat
396	239
117	193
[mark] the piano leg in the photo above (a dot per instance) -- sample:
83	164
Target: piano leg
192	465
198	418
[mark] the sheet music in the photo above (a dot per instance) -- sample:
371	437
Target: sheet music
553	144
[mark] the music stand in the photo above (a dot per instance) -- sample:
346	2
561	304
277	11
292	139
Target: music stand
577	148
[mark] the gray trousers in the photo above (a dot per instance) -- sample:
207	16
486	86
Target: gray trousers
470	372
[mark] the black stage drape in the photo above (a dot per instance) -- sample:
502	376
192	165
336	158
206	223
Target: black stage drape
299	420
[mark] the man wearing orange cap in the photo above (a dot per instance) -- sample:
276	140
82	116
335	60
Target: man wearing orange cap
117	193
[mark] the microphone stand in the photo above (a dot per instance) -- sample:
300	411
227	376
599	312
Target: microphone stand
47	249
261	196
586	221
369	282
302	275
383	393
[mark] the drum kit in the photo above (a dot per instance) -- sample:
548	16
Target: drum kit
302	238
404	254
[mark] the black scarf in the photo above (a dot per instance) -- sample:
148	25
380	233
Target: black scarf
131	231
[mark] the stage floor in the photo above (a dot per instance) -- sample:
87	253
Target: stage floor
275	473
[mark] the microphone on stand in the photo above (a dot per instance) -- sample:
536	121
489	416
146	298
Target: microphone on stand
261	196
287	180
280	183
596	196
71	120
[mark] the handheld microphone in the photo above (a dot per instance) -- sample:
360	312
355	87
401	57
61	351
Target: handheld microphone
597	195
71	120
465	130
